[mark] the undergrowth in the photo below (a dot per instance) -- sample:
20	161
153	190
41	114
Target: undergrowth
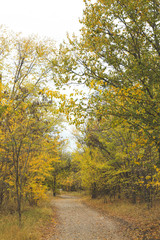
33	222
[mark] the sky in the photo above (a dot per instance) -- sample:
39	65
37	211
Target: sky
47	18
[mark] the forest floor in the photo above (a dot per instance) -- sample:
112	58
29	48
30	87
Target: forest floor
135	221
80	218
76	221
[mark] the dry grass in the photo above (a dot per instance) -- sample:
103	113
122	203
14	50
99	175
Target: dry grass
34	220
138	222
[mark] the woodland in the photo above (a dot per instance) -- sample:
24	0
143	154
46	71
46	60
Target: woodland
114	70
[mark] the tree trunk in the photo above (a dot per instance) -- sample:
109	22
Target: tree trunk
1	196
158	163
18	193
134	197
54	185
1	191
94	190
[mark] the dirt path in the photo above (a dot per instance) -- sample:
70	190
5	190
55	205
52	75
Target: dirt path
78	222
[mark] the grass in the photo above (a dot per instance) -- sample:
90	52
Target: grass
34	220
136	220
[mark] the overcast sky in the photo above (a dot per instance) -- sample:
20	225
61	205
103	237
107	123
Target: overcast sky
51	18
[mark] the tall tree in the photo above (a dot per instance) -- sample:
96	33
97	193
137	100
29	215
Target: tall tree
117	55
29	118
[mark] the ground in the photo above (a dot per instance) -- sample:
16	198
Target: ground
76	221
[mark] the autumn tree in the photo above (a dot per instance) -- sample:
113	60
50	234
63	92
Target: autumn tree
117	58
117	55
28	120
116	162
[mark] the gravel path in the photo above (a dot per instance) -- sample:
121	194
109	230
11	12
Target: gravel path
76	221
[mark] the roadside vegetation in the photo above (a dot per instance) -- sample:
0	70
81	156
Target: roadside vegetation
34	222
135	220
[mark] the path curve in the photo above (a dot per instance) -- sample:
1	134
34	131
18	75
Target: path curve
76	221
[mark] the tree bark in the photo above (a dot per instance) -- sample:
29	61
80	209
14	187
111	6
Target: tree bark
54	185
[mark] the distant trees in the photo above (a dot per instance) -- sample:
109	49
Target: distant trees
59	172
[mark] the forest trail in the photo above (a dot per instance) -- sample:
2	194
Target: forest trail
76	221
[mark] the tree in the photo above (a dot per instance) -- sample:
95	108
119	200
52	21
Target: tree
117	162
28	120
117	55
